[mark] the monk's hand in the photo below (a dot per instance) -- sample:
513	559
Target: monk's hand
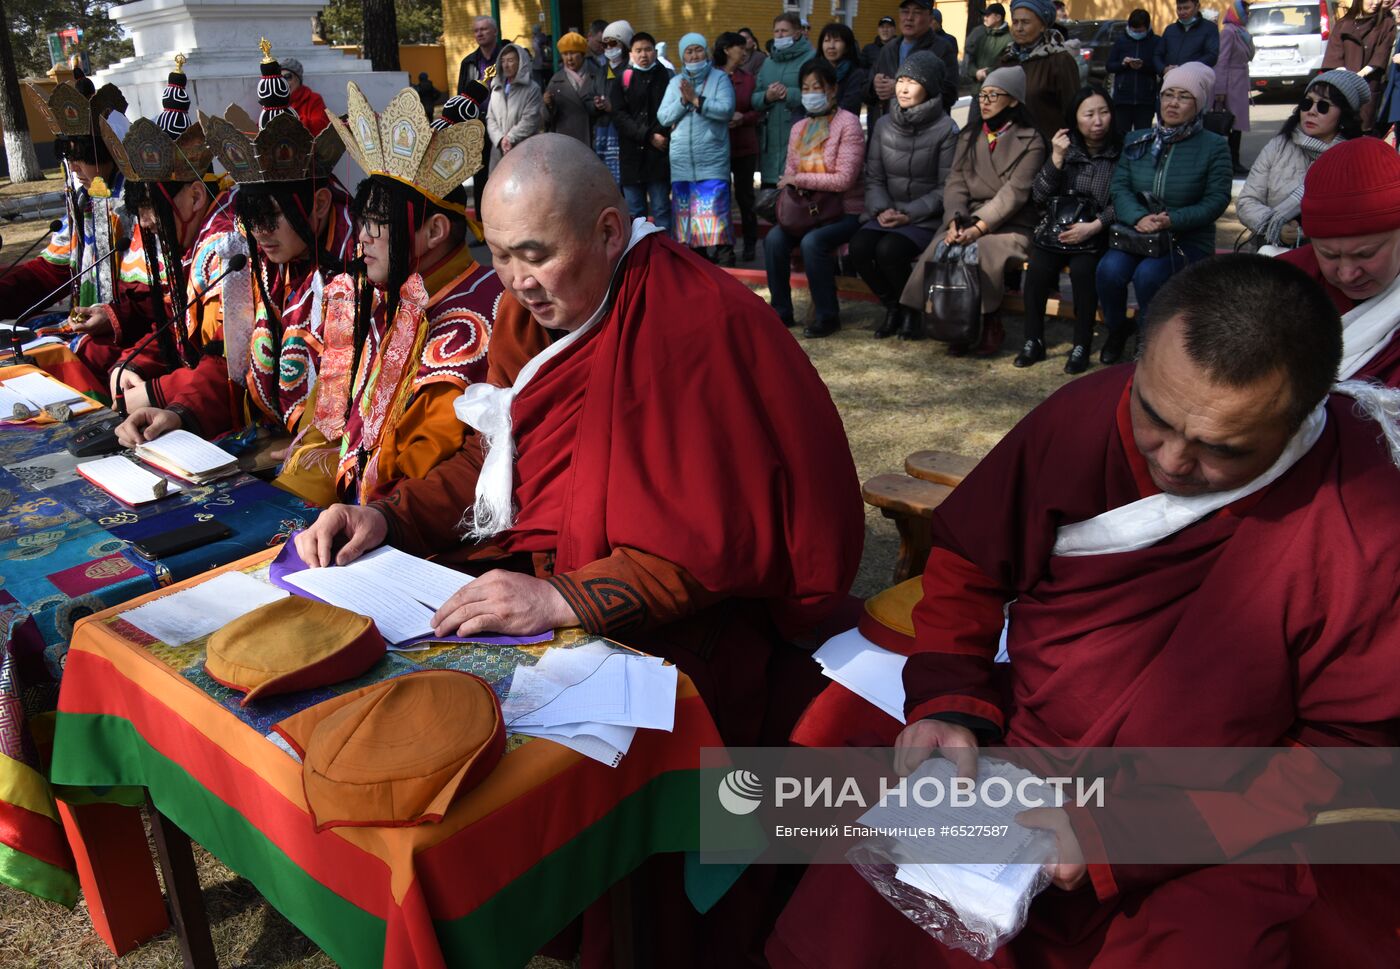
341	534
504	602
1069	871
126	380
146	424
92	320
917	742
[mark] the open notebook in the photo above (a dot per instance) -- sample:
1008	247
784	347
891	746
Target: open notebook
38	390
126	481
188	456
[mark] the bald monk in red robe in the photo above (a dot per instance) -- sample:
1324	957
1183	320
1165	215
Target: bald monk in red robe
1351	212
1264	617
653	458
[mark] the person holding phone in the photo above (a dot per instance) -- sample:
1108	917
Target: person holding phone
1135	80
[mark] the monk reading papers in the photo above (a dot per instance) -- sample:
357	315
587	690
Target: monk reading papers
652	457
1200	550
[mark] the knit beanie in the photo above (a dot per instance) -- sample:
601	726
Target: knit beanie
692	39
572	43
1195	78
925	67
1043	9
1352	189
621	31
1011	79
1348	84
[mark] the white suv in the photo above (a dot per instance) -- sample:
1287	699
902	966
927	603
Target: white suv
1290	38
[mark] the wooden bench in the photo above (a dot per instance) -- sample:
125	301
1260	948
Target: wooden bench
909	500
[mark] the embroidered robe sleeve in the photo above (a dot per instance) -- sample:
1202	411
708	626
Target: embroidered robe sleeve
631	591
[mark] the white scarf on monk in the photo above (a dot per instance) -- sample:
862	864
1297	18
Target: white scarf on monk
487	409
1145	522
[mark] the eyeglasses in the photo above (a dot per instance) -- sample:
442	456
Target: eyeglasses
987	97
1314	104
372	228
1178	98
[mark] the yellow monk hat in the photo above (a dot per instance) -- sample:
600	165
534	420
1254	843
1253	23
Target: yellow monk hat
292	644
888	619
399	752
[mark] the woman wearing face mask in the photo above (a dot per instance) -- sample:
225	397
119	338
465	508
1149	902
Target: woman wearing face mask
643	156
839	49
516	109
911	152
1272	198
1187	170
571	95
1081	162
777	96
987	200
698	107
731	54
825	153
1131	61
1052	73
1362	42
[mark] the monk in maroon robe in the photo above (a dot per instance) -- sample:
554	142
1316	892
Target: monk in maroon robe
1267	621
1351	212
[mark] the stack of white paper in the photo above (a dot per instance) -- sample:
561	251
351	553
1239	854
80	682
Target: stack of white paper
185	616
188	456
38	390
865	669
592	699
400	592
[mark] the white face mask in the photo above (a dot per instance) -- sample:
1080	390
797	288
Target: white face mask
614	55
783	43
815	102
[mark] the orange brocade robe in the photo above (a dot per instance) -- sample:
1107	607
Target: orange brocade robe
392	418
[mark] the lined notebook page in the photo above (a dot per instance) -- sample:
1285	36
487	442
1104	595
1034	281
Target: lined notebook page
41	390
187	451
126	480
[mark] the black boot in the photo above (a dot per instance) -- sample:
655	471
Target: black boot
912	326
1078	361
894	316
821	328
724	256
1032	353
749	249
1235	138
1112	350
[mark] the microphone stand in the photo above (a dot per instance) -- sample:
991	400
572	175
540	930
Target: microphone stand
54	226
16	343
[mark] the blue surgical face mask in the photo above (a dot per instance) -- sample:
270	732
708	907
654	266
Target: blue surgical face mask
1187	23
1137	34
783	43
815	102
614	55
638	67
696	69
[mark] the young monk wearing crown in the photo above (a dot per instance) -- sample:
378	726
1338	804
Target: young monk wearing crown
163	168
294	219
407	330
85	249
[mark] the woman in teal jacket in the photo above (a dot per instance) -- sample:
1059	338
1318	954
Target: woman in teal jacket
1188	171
777	94
698	106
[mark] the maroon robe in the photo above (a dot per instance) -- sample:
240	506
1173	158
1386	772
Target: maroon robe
1187	643
1385	365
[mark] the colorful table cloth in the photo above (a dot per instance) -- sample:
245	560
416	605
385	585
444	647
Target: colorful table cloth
64	554
512	863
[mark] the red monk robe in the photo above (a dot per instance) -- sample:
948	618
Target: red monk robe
1270	623
682	478
1385	365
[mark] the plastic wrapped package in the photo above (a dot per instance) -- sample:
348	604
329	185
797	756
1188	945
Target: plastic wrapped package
976	908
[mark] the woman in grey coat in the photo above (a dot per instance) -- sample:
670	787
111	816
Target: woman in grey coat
517	106
911	151
573	95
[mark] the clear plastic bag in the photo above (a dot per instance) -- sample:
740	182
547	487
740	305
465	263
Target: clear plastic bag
964	906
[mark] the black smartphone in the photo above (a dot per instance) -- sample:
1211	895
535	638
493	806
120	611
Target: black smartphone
182	539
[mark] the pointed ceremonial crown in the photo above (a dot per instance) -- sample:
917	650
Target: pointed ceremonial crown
71	114
276	149
168	149
402	145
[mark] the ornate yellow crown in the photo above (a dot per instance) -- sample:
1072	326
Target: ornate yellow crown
283	151
68	113
401	144
146	153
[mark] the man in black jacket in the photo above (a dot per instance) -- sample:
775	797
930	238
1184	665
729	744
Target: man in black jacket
480	66
884	34
642	146
917	33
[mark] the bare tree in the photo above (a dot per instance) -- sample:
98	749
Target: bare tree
381	44
19	146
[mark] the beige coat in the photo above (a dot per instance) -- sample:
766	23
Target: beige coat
994	186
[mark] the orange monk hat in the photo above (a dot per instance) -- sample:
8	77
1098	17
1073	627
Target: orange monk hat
888	619
292	644
397	753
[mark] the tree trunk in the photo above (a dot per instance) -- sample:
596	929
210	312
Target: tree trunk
19	147
381	44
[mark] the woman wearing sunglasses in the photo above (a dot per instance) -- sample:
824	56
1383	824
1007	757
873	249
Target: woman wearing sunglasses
1272	197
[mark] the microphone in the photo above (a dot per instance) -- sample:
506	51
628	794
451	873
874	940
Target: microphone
236	263
54	226
18	335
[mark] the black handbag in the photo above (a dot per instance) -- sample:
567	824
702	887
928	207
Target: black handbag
1219	119
1149	245
1061	212
952	287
